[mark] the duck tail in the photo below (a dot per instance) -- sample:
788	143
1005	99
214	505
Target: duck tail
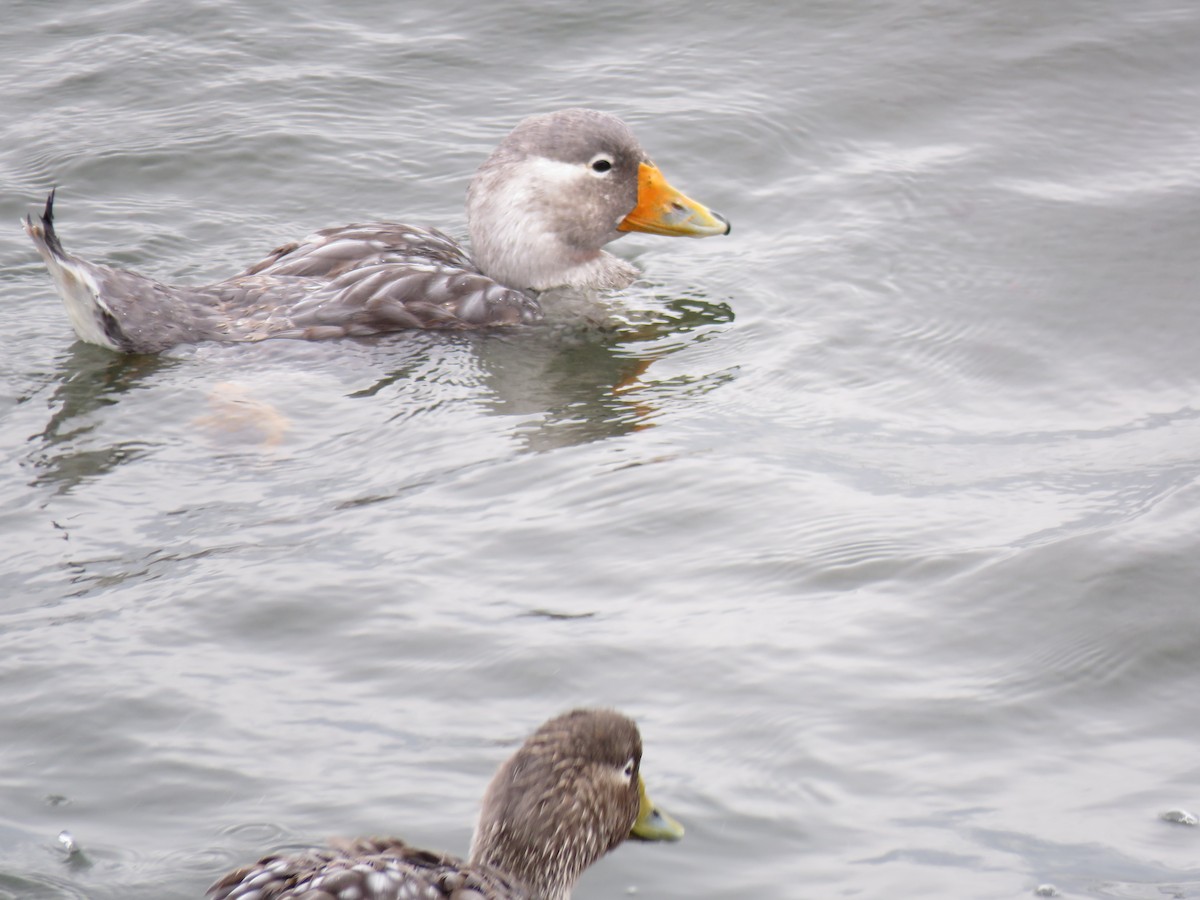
78	283
43	233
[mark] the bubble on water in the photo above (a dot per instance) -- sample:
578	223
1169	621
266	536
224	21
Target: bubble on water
1180	817
67	842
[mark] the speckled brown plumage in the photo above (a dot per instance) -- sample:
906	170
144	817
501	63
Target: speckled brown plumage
563	800
367	869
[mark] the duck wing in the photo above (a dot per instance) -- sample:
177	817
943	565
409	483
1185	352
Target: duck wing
366	279
366	869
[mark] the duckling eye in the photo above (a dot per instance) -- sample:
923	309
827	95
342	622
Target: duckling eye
601	164
630	768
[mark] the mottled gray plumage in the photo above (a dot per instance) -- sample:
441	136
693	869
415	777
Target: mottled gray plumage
563	800
355	280
539	211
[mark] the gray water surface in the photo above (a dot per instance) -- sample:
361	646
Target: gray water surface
881	515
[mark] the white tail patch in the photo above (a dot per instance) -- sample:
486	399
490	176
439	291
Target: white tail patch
78	289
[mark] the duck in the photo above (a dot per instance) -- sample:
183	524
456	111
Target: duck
571	793
541	208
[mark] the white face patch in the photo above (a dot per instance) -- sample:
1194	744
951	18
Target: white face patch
552	171
527	186
521	215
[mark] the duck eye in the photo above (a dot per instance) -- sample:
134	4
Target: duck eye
601	164
629	769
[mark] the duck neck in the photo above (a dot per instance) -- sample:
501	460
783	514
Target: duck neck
540	874
544	842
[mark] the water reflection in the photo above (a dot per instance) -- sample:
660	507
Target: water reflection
37	885
570	382
1085	869
86	380
588	385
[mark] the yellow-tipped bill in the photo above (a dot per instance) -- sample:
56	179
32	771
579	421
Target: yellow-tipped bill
652	823
663	210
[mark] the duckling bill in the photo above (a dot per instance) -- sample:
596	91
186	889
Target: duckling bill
570	794
540	210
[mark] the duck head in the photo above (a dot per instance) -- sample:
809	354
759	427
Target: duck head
571	793
557	189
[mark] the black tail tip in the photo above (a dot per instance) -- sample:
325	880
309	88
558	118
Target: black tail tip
49	235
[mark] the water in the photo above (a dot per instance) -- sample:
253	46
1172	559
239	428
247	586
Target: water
880	515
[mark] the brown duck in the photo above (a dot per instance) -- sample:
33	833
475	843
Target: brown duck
571	793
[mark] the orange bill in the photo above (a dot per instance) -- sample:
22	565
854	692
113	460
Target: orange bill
663	210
